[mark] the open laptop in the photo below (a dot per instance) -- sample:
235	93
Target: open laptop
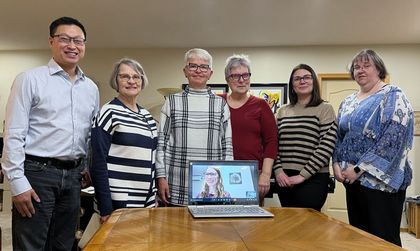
234	195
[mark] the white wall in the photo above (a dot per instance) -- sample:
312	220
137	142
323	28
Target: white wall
12	63
269	64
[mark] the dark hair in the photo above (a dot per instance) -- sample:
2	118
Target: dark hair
367	54
65	21
316	93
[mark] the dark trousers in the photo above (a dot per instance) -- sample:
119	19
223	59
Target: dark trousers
54	223
312	193
374	211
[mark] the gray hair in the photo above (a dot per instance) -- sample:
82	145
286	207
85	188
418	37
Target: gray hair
200	53
236	61
367	54
133	64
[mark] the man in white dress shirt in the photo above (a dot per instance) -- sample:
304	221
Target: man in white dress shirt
48	120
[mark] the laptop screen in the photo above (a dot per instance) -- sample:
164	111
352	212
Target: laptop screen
223	182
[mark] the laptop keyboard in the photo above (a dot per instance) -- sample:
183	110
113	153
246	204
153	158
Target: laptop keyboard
226	210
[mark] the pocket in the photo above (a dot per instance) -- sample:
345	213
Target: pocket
33	166
76	174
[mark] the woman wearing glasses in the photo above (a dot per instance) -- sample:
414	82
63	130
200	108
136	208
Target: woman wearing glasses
194	125
375	134
124	140
307	135
254	134
213	185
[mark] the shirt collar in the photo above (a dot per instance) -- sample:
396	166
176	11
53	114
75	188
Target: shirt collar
54	68
205	91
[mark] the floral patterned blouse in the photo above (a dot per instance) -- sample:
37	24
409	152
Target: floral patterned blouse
376	134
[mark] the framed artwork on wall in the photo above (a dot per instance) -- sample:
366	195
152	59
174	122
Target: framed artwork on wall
216	88
219	88
275	94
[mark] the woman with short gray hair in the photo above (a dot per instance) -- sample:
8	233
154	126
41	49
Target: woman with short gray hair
194	125
136	66
124	139
254	132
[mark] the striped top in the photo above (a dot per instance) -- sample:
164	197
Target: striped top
307	137
123	157
194	125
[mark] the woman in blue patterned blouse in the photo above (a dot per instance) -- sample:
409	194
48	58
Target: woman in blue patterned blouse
124	140
375	134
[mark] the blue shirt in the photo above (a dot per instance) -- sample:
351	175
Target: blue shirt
48	116
376	134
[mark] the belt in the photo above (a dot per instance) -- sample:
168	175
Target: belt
60	164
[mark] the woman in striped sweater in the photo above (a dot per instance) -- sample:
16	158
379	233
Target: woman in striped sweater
124	140
307	135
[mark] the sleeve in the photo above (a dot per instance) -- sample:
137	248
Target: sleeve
21	99
163	138
154	132
226	133
89	144
387	158
277	166
268	131
323	151
101	143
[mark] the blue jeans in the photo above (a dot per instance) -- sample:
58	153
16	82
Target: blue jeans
54	223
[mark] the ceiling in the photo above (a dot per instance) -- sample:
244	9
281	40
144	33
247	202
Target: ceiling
214	23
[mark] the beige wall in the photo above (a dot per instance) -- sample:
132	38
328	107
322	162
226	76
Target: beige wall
270	64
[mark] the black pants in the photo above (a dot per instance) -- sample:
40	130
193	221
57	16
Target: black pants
53	225
312	193
374	211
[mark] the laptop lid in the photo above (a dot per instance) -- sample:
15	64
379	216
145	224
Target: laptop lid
219	182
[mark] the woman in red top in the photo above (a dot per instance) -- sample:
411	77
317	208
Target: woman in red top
254	131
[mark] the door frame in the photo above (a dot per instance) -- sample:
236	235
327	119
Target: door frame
340	76
332	76
322	78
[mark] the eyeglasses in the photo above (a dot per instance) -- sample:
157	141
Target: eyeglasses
127	77
237	77
305	78
64	39
194	67
211	174
360	67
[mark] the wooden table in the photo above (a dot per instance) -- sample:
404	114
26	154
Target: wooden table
175	229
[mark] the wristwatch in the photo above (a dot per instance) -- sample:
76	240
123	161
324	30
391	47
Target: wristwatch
356	169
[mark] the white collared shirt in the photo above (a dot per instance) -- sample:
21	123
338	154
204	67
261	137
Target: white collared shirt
48	116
